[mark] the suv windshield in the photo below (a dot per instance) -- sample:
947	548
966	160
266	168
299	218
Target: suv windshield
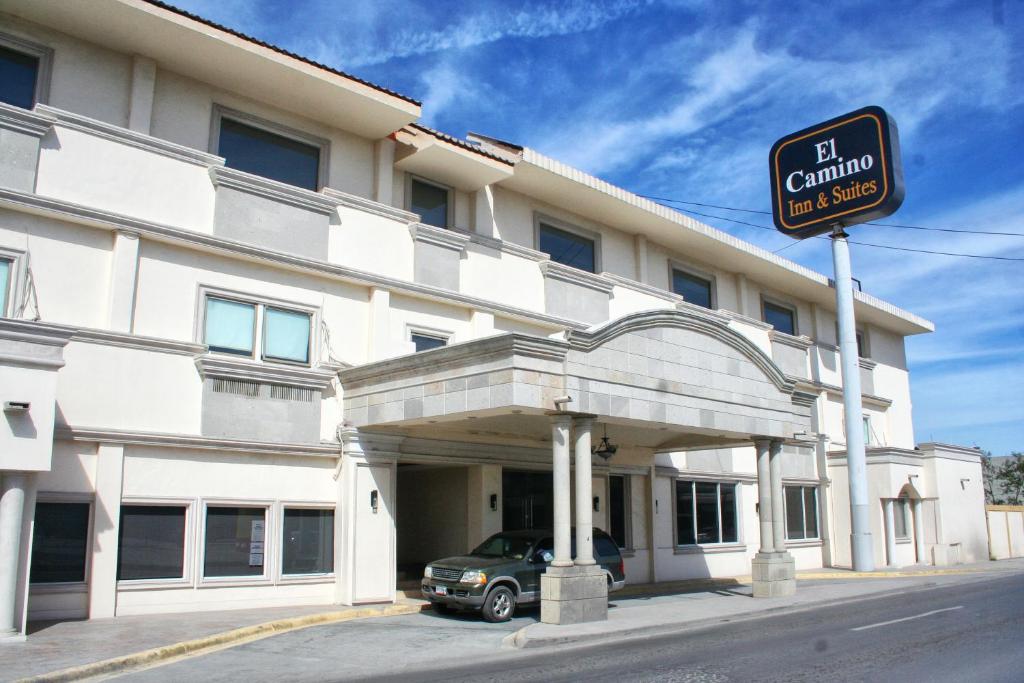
500	545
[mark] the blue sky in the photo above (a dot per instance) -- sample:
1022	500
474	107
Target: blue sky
682	99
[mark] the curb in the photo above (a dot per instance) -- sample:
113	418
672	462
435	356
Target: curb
216	641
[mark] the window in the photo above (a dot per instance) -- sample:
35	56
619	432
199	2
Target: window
692	288
60	543
19	73
430	201
782	318
705	513
308	546
261	152
862	349
867	430
425	342
899	518
230	326
801	512
618	509
151	542
5	284
235	538
567	248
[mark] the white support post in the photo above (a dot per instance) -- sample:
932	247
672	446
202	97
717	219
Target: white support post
890	532
640	253
380	325
12	507
484	222
560	461
140	112
764	495
584	493
107	524
860	521
384	171
919	531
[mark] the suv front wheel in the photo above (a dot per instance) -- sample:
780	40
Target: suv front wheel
499	605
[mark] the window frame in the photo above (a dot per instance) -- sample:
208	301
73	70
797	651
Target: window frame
188	568
674	266
803	513
780	303
280	577
737	506
220	112
67	586
259	324
627	508
901	507
410	178
43	53
15	280
422	331
540	219
267	578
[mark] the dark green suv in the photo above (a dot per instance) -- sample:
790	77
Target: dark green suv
504	571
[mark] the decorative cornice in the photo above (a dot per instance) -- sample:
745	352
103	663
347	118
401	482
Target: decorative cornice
802	342
867	363
32	123
649	290
951	451
271	189
351	201
701	475
64	210
130	341
503	246
745	319
802	398
553	270
125	136
883	455
811	385
438	237
190	441
34	332
220	367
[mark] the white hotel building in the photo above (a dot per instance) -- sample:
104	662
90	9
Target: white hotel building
265	340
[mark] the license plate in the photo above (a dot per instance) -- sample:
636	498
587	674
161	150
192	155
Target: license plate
441	590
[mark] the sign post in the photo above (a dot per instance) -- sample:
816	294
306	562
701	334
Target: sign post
838	173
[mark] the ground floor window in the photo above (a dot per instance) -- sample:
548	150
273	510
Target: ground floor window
705	512
234	541
151	542
618	509
60	542
801	512
899	517
308	541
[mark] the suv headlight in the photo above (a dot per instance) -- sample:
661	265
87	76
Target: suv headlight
473	577
428	572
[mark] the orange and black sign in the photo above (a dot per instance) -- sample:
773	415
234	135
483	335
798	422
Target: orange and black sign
840	172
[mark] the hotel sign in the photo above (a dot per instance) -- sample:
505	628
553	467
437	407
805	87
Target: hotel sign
841	172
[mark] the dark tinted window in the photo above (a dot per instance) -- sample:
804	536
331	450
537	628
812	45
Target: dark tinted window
728	500
234	541
605	547
151	543
308	542
425	343
684	513
693	289
18	74
811	511
430	202
267	154
567	248
794	512
617	509
59	542
707	512
780	317
500	545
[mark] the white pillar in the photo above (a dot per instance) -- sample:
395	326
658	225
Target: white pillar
584	493
140	105
124	271
107	523
560	460
919	531
764	495
384	171
380	325
482	323
890	532
778	511
640	252
12	506
484	222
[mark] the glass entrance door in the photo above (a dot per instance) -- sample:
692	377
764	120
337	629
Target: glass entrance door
527	500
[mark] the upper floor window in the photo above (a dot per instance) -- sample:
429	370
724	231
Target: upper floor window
693	288
425	342
5	284
567	248
705	512
260	151
240	327
782	318
19	74
430	201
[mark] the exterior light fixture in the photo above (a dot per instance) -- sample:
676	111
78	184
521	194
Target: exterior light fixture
606	449
494	501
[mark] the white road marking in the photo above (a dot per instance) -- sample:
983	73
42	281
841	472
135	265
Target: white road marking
917	616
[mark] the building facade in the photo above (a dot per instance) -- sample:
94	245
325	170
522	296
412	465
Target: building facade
266	340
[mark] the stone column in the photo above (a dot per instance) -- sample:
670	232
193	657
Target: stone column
890	532
773	568
124	273
764	495
560	472
919	531
12	506
584	493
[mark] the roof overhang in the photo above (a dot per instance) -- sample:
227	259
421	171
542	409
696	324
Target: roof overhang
432	156
213	55
550	181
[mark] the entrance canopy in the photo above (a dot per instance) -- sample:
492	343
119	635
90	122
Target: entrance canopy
666	379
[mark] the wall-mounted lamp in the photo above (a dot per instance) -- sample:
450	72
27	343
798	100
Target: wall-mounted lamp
597	504
16	406
494	501
963	483
605	449
374	498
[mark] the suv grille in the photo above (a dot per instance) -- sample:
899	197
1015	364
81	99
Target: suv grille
446	574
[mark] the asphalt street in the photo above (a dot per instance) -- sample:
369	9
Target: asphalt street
968	631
